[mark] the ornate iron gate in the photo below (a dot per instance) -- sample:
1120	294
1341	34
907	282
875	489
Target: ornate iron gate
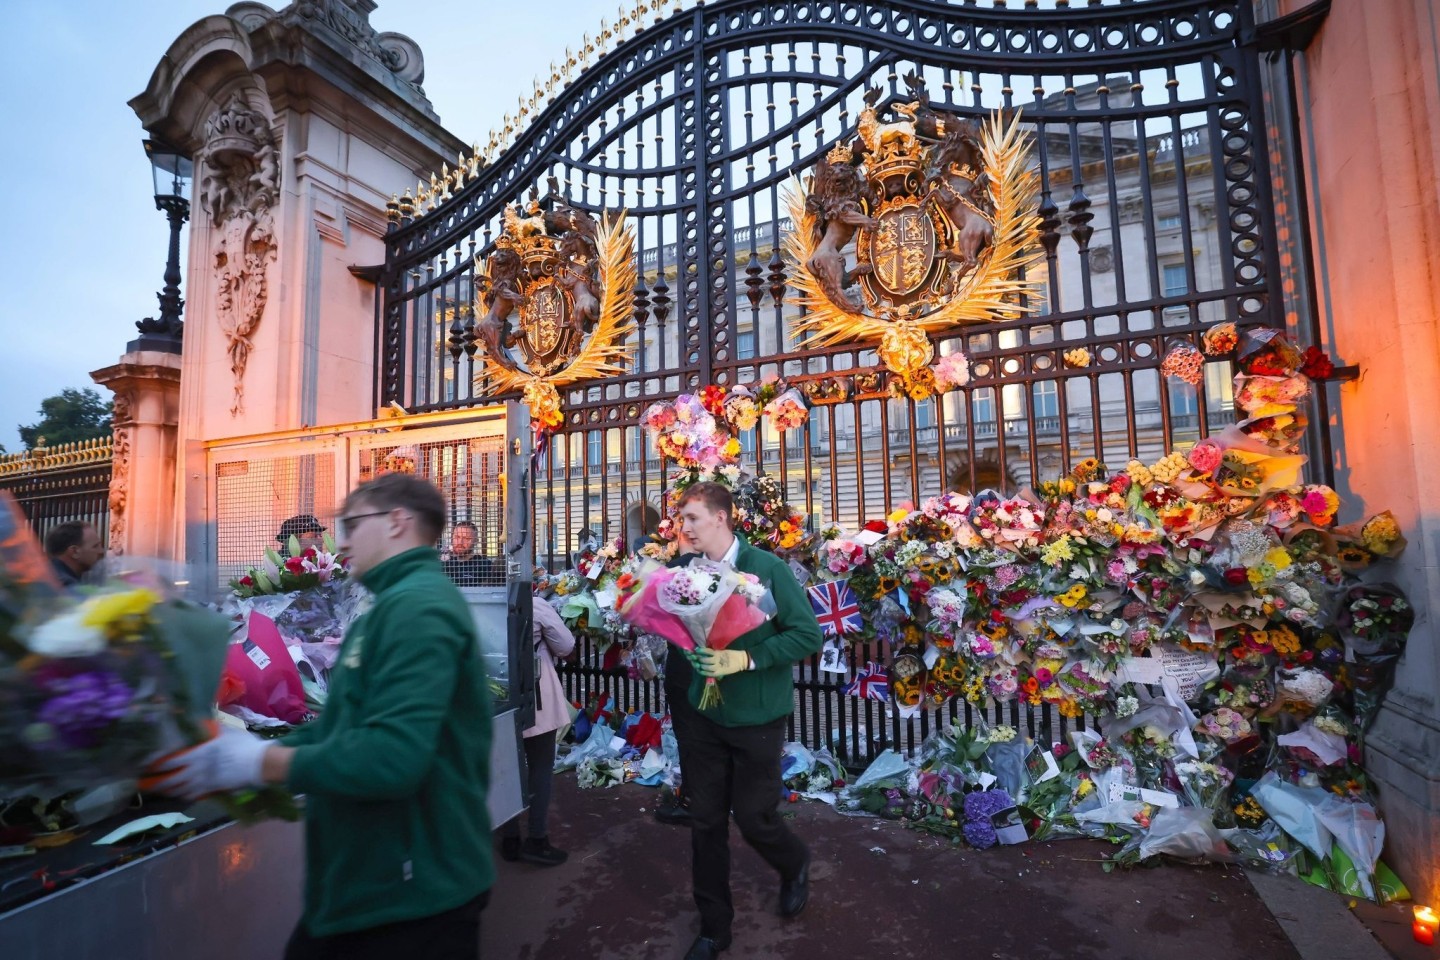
1156	217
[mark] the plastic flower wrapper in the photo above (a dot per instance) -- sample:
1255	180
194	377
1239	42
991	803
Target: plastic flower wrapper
1295	809
1185	832
1358	832
1207	786
707	604
787	410
1005	751
1374	618
880	789
814	775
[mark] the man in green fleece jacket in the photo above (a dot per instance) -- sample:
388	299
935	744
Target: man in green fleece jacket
733	750
396	769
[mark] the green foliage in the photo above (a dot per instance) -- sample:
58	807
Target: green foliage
69	416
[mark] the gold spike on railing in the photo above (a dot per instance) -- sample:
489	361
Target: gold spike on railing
631	13
66	456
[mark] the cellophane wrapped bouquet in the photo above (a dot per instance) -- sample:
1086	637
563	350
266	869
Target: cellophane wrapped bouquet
294	609
94	683
704	605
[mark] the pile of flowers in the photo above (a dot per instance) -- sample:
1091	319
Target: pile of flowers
1203	610
700	431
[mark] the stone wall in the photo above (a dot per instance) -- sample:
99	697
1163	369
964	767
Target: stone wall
1369	107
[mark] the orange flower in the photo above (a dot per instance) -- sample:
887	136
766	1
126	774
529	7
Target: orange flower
625	581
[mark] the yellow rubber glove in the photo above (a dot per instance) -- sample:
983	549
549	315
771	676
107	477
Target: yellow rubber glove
721	663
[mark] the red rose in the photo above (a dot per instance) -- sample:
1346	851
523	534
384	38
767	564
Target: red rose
1236	576
295	565
247	582
1315	365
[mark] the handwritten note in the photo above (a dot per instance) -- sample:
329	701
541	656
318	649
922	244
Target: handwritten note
1188	668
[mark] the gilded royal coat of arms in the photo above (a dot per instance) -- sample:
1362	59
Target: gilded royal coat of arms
554	303
939	212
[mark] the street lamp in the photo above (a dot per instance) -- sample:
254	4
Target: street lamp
173	172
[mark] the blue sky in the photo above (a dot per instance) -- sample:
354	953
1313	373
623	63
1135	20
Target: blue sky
83	251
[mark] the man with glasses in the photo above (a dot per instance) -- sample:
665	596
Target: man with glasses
396	769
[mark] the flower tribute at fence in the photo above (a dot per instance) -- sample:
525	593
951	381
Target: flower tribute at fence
1203	611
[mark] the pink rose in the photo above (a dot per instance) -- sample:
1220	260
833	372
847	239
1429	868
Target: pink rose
1206	455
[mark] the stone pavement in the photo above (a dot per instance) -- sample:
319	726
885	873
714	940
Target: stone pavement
877	890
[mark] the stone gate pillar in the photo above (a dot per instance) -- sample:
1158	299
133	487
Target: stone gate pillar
302	122
146	384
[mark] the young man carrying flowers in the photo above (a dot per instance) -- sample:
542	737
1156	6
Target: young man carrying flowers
733	749
395	771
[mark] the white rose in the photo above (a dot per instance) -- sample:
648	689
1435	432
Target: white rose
1104	515
66	636
1197	578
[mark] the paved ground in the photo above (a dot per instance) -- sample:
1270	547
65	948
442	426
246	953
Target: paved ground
877	890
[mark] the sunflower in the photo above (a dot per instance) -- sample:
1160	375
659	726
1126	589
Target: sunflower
886	585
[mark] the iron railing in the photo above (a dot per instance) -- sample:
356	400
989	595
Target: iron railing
58	484
698	124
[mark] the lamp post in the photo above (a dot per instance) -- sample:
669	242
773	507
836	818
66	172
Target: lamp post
173	172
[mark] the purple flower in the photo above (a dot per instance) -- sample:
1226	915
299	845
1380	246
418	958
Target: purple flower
979	834
984	805
85	704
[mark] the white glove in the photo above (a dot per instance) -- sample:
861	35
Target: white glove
231	761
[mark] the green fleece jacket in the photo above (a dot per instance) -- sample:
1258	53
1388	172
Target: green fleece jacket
396	769
766	693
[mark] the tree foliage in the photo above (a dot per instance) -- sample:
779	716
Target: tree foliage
69	416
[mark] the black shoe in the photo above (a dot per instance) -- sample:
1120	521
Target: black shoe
706	948
537	850
795	892
510	848
674	813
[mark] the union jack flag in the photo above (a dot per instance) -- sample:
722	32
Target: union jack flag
836	608
872	683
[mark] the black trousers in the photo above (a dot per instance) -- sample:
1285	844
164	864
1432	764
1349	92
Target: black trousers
734	770
452	935
682	713
539	772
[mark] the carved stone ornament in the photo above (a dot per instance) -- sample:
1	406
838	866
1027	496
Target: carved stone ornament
239	189
940	212
122	426
350	19
555	301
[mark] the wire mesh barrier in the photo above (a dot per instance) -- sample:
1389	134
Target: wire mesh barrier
468	472
258	501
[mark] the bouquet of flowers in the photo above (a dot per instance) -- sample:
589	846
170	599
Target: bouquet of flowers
309	598
91	687
705	605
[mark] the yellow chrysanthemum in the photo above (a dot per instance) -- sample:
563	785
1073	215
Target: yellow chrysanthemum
1278	558
109	608
1139	473
1283	639
1057	552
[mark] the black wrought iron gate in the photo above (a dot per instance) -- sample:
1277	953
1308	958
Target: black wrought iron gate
1157	224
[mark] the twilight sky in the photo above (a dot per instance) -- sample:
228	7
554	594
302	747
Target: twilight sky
83	251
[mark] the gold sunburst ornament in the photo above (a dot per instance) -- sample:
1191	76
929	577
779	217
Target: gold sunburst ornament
555	302
940	210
